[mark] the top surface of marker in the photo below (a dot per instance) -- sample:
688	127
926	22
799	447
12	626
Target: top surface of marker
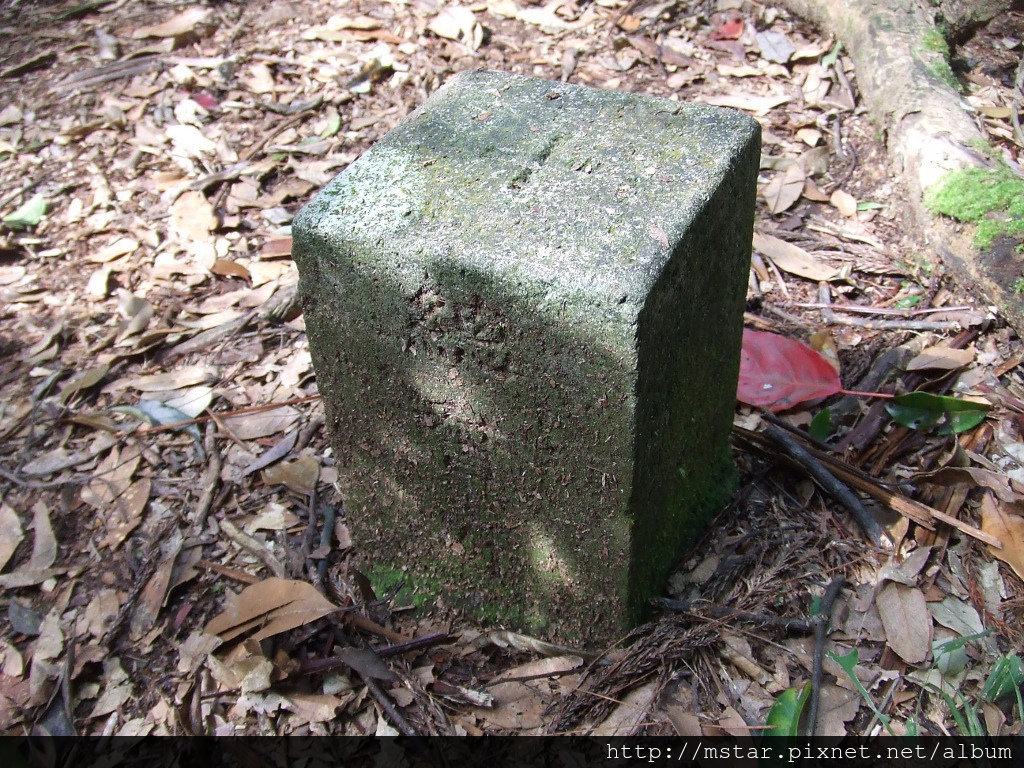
577	187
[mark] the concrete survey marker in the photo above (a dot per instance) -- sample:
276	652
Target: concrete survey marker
524	306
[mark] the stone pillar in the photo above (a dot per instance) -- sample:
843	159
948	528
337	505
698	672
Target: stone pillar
524	307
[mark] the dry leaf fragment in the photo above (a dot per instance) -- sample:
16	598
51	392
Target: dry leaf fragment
193	217
126	515
154	594
11	533
259	79
230	268
775	46
457	22
785	189
191	401
98	286
270	607
44	553
844	202
245	670
367	663
190	141
281	449
121	246
823	343
908	625
276	247
180	378
84	380
311	708
628	716
815	161
1005	488
809	136
178	25
275	517
252	426
136	311
997	520
838	707
942	358
759	105
815	193
299	475
116	689
792	258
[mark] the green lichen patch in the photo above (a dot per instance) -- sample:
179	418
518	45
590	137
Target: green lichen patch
992	199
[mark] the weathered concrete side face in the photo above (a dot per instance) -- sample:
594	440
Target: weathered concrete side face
524	306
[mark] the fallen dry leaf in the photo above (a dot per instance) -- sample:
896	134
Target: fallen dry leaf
245	669
457	22
844	202
908	625
792	258
942	358
785	189
177	379
299	475
838	707
11	533
998	520
154	594
192	214
630	714
749	102
270	607
252	426
177	25
44	544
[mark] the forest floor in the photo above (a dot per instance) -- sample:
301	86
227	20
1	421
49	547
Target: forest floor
152	156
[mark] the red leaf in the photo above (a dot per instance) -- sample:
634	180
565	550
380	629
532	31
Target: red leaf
778	372
730	29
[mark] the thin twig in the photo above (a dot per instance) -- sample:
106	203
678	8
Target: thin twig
397	719
857	309
209	482
416	644
878	535
821	620
225	415
247	542
325	541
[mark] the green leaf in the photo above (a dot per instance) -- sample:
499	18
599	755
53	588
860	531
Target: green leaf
821	425
832	56
28	215
908	302
784	717
1005	678
923	410
966	719
332	127
849	665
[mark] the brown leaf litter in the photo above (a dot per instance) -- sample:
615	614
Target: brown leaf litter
173	546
